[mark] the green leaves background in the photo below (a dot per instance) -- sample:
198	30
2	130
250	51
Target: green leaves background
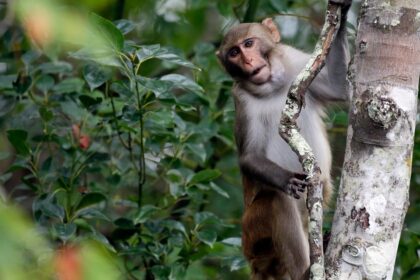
121	142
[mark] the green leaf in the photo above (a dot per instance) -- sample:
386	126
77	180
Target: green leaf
47	205
101	56
237	263
46	165
156	51
201	218
279	5
29	181
45	83
64	231
198	150
45	114
176	182
125	26
73	110
110	33
175	225
121	88
7	104
157	86
96	235
204	176
57	67
166	55
105	108
145	214
89	101
160	118
30	56
22	83
95	75
69	86
183	82
93	213
130	114
6	81
233	241
90	199
207	236
178	271
18	138
147	52
219	190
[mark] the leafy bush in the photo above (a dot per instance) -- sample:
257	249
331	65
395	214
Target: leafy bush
119	157
122	152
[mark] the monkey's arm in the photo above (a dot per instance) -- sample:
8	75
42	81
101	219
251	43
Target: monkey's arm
252	161
330	84
260	168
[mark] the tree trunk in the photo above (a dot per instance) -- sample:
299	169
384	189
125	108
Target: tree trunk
373	197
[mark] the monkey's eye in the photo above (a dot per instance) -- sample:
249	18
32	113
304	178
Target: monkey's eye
234	52
248	43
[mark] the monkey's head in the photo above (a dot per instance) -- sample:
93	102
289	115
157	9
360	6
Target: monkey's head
245	51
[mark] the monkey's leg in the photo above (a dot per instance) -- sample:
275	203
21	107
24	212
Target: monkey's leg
257	237
289	237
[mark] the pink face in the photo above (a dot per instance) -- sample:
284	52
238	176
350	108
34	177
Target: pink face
247	55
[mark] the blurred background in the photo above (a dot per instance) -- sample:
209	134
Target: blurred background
117	156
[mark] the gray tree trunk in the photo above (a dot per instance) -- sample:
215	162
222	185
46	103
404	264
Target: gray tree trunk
373	196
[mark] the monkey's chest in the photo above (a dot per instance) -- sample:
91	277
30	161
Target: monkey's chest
264	137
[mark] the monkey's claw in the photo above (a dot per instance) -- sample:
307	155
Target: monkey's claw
296	186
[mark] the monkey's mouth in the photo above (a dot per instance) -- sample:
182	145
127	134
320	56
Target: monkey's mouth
258	70
260	75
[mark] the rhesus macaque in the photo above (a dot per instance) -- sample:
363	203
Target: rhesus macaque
275	220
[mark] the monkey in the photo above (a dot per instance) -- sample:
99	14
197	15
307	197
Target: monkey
274	222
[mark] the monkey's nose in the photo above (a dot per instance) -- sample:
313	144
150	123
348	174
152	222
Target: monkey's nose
248	61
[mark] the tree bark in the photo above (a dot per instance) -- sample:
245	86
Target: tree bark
373	196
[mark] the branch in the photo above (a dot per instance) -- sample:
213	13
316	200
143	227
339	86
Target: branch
289	131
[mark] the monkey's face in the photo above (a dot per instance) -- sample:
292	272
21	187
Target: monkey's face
245	51
250	61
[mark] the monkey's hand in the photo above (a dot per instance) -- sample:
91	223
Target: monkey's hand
296	185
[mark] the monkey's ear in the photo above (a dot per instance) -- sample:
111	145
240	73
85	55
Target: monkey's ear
275	33
219	55
220	58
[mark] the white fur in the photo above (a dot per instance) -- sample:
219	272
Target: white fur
264	108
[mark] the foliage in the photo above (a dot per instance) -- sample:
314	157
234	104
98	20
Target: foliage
120	144
109	154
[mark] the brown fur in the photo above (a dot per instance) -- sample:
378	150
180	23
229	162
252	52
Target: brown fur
269	241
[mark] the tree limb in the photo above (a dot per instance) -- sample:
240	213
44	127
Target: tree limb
289	131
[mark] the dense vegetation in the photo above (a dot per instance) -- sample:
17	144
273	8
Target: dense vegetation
116	139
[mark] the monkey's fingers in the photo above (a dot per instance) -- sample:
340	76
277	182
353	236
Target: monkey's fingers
293	190
296	181
301	188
